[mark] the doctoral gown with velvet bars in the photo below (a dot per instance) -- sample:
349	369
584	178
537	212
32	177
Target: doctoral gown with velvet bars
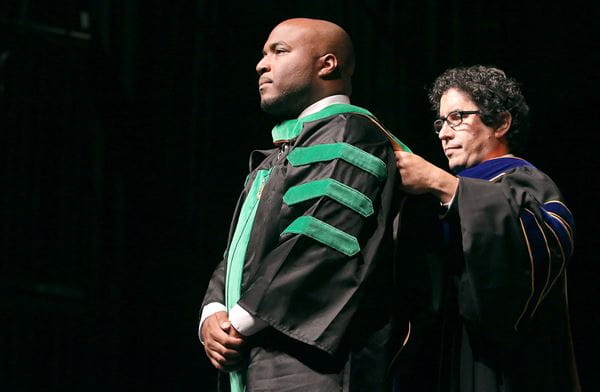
500	289
325	297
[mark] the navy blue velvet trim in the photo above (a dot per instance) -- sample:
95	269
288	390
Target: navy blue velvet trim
491	168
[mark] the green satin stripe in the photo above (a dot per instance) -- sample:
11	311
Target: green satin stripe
237	250
326	152
290	129
325	234
237	254
404	146
237	381
333	189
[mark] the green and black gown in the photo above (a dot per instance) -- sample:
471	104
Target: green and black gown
499	286
317	259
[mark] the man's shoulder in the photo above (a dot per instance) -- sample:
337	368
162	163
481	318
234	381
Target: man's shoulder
515	173
526	172
535	179
496	168
349	127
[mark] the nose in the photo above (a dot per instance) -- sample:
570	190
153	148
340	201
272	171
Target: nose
446	132
262	66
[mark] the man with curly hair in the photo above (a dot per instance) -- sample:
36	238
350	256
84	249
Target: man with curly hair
506	236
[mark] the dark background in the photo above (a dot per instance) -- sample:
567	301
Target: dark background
125	130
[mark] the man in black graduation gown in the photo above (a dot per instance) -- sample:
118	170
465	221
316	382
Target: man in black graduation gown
506	237
301	300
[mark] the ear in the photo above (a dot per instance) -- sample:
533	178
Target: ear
328	65
504	126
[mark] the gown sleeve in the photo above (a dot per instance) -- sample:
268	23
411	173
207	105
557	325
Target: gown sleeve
216	286
517	235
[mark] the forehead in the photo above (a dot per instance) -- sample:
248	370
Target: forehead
289	33
455	99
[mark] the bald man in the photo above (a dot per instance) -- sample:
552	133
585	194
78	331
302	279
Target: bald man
301	300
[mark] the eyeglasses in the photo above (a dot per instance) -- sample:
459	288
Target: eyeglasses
453	119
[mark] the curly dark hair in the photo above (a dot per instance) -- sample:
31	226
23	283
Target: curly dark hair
493	92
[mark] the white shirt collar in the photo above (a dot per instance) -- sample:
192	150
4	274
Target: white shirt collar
323	103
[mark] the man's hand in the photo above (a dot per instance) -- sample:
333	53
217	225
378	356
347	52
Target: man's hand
222	343
419	176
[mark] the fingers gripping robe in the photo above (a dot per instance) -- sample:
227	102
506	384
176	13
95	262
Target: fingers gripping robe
222	343
419	176
414	172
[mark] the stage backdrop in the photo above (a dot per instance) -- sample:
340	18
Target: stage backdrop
125	129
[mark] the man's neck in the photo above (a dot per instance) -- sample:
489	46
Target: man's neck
507	154
323	103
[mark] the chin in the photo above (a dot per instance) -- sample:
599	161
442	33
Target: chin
277	108
269	107
456	166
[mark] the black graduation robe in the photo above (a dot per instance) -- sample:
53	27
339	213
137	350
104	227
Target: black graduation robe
500	286
318	267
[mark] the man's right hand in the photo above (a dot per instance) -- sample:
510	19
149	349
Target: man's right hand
419	176
222	343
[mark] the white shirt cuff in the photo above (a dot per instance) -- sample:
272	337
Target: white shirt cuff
447	206
207	311
243	322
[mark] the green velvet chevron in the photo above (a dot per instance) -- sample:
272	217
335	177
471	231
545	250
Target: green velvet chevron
333	189
325	234
326	152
